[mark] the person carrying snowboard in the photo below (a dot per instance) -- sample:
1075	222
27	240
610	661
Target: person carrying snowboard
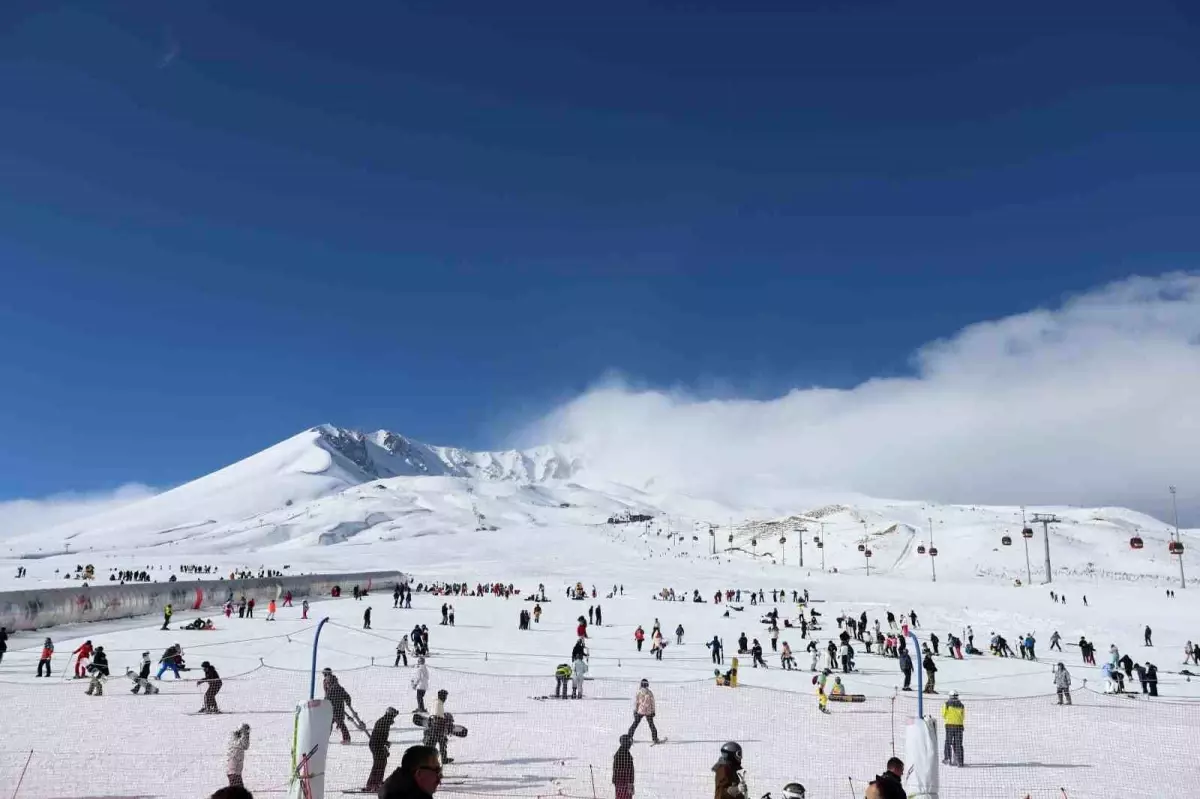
235	754
643	708
213	682
439	726
380	746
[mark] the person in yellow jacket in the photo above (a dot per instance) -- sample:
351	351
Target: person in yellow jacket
953	716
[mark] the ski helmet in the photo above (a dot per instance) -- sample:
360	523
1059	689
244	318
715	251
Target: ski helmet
793	790
443	694
732	749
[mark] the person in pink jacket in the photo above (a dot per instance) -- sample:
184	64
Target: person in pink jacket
643	708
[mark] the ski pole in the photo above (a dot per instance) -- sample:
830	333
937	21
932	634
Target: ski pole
1064	792
592	771
851	779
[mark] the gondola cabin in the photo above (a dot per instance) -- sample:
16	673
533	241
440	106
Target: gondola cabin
868	553
1136	543
1175	547
933	552
1006	540
1027	532
920	549
862	547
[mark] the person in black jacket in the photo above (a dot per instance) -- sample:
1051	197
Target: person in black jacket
930	673
906	668
379	746
1152	678
888	785
338	698
622	769
3	642
98	668
213	681
418	776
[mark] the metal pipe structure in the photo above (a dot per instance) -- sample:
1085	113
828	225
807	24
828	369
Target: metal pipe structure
1047	519
932	559
1178	538
916	657
312	682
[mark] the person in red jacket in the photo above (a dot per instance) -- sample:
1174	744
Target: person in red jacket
581	630
83	653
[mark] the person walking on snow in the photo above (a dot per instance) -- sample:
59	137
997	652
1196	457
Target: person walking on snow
1146	635
715	646
271	610
953	715
639	635
622	769
578	669
930	673
906	668
380	747
1062	683
367	619
401	652
304	610
1054	641
439	726
44	660
678	635
420	683
212	681
235	754
643	708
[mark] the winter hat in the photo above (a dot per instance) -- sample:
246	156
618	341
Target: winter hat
327	670
645	683
625	739
443	695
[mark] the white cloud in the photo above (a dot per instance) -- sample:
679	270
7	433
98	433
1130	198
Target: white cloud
1094	402
20	516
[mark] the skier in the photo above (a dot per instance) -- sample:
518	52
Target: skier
1062	683
401	652
906	668
679	635
439	726
235	754
396	596
561	675
1126	663
730	781
287	599
1054	641
622	769
141	678
99	671
420	683
715	646
338	698
84	652
578	669
379	746
213	682
171	659
953	714
1146	635
304	609
271	610
1029	644
643	708
933	639
47	653
930	673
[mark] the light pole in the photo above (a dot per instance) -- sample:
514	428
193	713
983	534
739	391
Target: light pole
932	559
1178	538
1047	519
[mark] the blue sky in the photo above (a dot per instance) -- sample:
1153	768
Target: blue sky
222	223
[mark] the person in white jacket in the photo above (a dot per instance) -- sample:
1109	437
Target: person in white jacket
578	669
235	754
420	683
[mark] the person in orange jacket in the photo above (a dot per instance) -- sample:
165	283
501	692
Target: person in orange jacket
84	652
271	610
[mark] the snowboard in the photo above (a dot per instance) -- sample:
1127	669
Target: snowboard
854	698
421	720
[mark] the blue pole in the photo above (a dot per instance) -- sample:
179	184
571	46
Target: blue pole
916	655
312	684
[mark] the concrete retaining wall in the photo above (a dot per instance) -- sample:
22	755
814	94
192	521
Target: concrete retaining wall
40	608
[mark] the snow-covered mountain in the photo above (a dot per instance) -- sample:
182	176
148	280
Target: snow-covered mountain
328	494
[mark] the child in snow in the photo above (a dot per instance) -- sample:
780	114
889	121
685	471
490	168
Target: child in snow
235	754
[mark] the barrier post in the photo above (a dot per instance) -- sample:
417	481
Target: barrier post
312	683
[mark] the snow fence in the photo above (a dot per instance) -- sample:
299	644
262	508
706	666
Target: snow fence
60	743
50	607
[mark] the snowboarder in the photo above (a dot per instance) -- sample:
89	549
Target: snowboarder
379	746
756	652
622	769
891	620
743	648
213	682
420	683
235	754
815	651
439	726
401	652
338	698
643	708
171	659
99	672
953	715
822	698
785	658
141	678
367	618
730	780
912	617
933	639
1062	683
1146	636
44	660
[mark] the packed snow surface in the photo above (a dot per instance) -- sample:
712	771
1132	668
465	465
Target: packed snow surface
330	500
